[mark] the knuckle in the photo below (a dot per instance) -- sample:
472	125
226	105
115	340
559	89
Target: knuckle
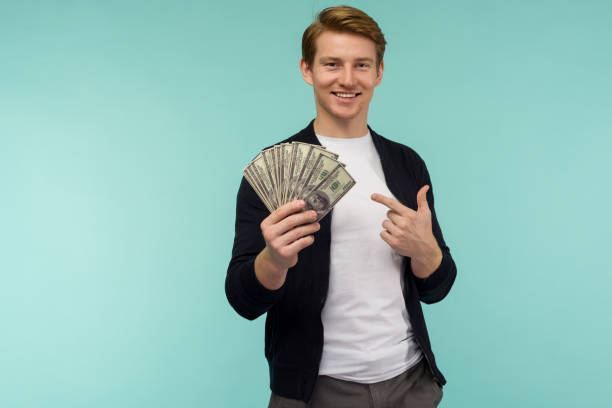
296	233
276	245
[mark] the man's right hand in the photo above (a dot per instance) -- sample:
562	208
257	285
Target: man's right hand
286	232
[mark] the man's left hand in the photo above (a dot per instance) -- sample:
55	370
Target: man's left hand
409	232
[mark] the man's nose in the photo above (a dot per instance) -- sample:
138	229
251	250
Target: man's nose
347	78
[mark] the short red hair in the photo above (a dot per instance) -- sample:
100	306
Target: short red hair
342	19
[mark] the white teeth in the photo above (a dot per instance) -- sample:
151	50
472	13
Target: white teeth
345	95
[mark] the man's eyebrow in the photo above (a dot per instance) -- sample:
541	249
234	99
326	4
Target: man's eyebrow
367	59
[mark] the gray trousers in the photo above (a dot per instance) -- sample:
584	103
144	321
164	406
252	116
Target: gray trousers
415	388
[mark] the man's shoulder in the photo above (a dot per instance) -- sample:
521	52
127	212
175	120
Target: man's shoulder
393	148
305	135
301	136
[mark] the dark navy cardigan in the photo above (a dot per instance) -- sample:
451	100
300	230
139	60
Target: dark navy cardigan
294	331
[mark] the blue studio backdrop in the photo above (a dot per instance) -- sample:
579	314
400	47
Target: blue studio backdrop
124	129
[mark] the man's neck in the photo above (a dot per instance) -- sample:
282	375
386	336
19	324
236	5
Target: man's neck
346	129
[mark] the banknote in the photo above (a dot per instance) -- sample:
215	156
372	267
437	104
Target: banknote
323	197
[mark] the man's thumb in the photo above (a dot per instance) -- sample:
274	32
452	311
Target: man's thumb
422	198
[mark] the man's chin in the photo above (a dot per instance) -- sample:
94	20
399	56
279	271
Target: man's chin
335	114
343	115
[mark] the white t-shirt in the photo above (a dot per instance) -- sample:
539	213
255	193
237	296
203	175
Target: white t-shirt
367	333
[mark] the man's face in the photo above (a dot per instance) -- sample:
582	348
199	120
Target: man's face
343	75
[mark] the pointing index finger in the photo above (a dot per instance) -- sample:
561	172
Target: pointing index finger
391	203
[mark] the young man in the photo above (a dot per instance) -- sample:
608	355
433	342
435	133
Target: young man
344	324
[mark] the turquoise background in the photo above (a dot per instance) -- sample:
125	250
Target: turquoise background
124	128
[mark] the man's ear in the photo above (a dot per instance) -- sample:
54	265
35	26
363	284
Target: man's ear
306	72
379	74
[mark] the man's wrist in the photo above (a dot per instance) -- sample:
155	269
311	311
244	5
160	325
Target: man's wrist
425	265
267	272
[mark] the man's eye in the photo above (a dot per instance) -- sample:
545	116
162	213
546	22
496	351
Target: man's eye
331	64
364	65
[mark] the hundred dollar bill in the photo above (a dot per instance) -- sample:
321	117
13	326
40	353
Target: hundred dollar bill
323	150
321	169
279	176
324	196
256	184
286	162
268	159
268	156
301	152
263	174
313	155
277	168
286	149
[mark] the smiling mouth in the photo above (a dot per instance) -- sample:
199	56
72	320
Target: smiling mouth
346	95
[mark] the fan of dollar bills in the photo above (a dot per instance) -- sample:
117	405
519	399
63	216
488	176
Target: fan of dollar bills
293	171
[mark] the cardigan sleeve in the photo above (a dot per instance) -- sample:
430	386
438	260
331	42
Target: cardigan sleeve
435	287
243	290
